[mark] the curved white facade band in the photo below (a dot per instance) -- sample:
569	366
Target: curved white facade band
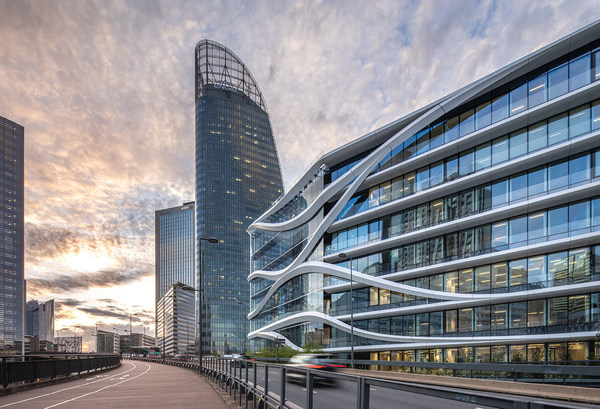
467	230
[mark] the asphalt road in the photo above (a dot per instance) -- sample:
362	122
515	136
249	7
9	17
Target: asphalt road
133	385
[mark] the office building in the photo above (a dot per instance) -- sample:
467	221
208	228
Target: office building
107	342
176	317
39	319
174	248
136	340
72	344
12	286
466	231
237	179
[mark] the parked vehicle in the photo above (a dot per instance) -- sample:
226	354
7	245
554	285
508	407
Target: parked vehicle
320	362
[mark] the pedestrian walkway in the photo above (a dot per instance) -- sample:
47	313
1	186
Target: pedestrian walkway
133	385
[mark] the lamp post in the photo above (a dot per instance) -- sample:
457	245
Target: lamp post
201	297
343	256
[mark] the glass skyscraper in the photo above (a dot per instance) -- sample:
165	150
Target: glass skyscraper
237	179
466	231
12	290
175	238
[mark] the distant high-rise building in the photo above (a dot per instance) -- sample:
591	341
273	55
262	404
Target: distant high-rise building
175	237
237	179
71	344
12	286
39	319
175	318
107	342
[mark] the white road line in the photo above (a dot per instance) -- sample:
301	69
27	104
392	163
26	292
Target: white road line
72	387
101	389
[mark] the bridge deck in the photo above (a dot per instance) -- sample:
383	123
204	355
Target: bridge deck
134	385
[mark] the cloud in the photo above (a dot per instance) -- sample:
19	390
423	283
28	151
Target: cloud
66	283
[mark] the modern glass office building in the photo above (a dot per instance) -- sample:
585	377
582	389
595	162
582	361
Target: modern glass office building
12	287
237	179
176	317
175	246
468	230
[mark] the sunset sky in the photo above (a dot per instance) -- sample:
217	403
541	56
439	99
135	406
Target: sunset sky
105	91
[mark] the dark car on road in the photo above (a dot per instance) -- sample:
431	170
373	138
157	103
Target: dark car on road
320	362
243	360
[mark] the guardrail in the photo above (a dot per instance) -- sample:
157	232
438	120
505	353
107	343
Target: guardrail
24	369
240	379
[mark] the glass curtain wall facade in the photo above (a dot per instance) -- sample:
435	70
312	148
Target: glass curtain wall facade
474	221
175	247
12	287
176	328
237	178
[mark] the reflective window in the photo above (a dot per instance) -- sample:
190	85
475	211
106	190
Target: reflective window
436	174
536	228
451	282
579	72
499	275
518	231
500	150
579	265
537	136
500	108
537	91
558	268
558	225
436	137
483	115
580	169
536	270
482	318
536	313
558	176
518	314
518	272
423	178
579	217
466	163
557	311
483	156
451	320
596	113
500	236
482	278
579	121
536	182
499	316
518	143
518	100
465	320
558	82
558	129
465	281
451	129
422	141
467	122
451	168
579	309
500	193
518	187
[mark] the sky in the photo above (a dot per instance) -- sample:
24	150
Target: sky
105	91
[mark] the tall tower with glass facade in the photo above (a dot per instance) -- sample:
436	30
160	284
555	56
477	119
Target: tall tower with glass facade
237	179
12	286
174	250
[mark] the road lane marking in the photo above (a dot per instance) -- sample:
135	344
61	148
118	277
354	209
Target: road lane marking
101	389
72	387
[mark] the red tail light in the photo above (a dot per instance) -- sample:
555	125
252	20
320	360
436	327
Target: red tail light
337	366
316	366
250	359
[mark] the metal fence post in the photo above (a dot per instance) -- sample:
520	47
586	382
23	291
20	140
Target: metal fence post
4	373
254	388
309	389
282	396
266	382
365	393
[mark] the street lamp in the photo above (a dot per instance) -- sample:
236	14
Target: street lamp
343	256
201	296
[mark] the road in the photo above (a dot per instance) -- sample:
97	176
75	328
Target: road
133	385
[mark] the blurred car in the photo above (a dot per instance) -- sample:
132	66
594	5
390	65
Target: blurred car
321	362
243	361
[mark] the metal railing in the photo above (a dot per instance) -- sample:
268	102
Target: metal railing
241	381
26	369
